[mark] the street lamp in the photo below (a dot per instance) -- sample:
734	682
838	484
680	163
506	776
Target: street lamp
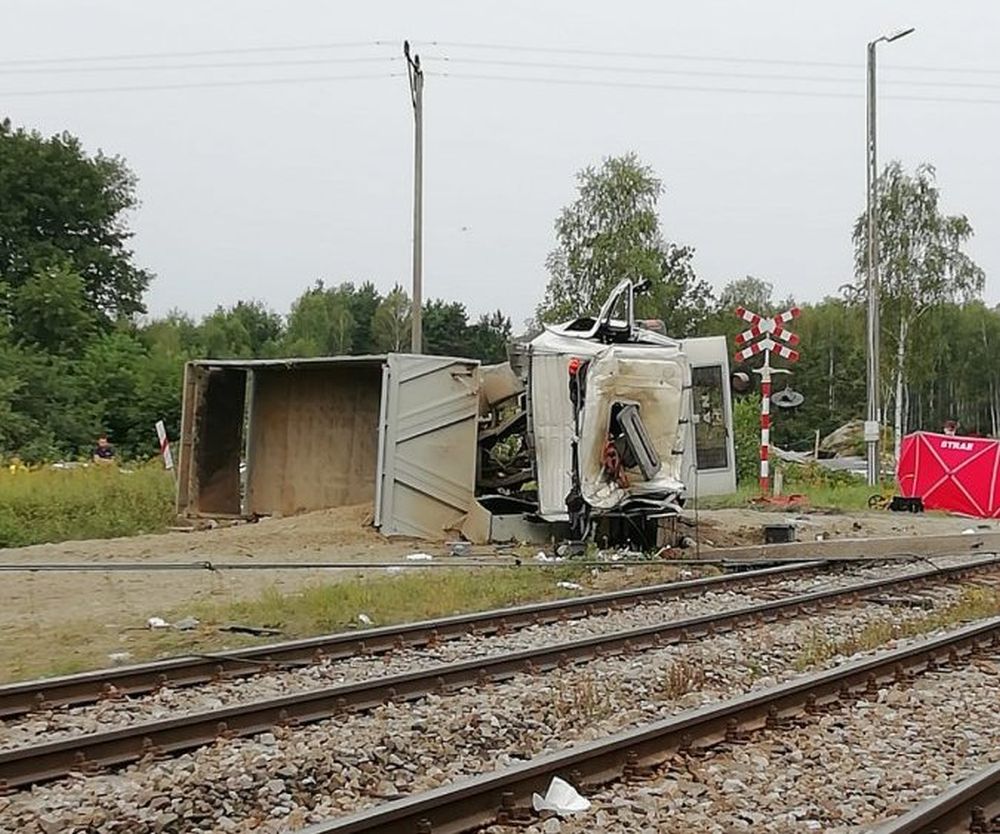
873	421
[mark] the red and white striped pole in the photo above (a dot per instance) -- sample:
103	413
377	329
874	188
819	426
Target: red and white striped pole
765	425
161	433
767	327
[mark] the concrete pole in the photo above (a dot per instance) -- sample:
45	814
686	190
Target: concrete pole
416	76
873	415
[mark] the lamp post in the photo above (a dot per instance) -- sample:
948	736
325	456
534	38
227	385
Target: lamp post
873	421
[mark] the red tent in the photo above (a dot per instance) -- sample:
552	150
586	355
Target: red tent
957	474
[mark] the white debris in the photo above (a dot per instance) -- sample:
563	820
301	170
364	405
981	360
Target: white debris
569	586
419	557
561	797
364	619
157	622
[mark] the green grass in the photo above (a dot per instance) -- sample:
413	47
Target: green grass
976	603
415	595
53	505
828	497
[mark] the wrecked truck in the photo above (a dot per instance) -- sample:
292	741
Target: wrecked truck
597	428
604	408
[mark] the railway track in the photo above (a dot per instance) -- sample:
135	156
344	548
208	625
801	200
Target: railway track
89	753
88	687
503	797
970	807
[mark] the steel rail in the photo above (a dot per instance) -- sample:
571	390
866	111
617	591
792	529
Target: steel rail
502	796
972	805
137	679
41	762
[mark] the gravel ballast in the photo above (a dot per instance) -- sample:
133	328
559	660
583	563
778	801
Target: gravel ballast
285	779
848	770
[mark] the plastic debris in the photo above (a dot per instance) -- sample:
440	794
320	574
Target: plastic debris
187	624
561	797
157	622
969	531
569	586
119	657
459	548
364	619
540	556
419	557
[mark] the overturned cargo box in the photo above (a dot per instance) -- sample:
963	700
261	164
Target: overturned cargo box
283	436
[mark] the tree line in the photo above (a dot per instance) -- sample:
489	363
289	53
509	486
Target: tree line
78	355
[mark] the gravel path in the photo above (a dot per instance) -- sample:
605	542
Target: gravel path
845	771
280	781
105	715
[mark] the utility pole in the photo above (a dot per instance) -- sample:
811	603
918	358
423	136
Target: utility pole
873	422
416	76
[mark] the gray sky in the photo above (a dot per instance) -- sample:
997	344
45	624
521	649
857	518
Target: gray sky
255	191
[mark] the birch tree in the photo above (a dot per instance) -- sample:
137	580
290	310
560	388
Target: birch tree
391	322
921	266
610	232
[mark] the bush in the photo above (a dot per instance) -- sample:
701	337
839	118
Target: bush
89	502
746	438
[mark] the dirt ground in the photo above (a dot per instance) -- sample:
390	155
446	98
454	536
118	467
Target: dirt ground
45	611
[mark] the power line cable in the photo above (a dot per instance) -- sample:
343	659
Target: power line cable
198	53
703	73
700	89
675	56
367	59
612	53
202	84
516	48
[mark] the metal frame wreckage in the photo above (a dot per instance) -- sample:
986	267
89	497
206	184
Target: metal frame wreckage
598	428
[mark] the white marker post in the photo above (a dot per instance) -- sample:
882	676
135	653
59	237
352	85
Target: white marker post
161	433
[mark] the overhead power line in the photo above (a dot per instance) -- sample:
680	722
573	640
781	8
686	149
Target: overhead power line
593	82
688	56
754	76
613	53
198	53
249	82
490	47
638	70
294	62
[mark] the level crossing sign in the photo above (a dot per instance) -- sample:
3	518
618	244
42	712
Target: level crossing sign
771	328
767	335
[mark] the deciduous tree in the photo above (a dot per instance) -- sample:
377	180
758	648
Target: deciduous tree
922	264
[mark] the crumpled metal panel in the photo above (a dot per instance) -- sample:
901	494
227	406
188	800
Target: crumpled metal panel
427	444
552	413
652	378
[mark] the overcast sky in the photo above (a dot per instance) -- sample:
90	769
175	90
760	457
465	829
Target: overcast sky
257	190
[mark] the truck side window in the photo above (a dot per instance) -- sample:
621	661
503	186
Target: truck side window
709	417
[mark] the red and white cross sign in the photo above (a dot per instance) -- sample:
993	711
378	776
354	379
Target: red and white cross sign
775	340
771	329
